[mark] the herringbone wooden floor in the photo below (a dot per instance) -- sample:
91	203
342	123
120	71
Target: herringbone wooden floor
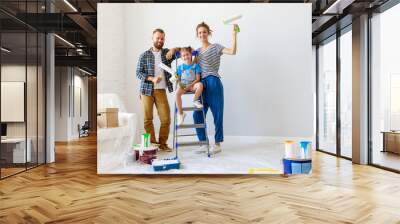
70	191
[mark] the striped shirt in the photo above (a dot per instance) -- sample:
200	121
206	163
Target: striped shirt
210	59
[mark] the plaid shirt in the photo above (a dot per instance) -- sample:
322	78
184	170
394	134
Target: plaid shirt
145	68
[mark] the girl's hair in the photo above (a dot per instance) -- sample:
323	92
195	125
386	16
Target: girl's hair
207	27
189	49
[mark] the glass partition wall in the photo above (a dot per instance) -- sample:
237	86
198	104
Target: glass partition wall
13	89
22	88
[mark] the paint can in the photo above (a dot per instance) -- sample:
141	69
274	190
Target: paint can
305	149
289	149
145	140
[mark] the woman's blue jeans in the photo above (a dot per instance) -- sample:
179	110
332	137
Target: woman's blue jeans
213	98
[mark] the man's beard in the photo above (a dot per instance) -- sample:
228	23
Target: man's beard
158	45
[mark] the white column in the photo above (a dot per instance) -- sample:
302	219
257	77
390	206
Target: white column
50	99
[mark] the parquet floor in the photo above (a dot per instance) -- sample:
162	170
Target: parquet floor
70	191
10	171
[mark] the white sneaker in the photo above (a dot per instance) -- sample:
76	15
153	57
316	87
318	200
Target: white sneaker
181	118
215	149
201	149
197	104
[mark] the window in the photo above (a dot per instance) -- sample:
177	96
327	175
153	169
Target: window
346	93
385	89
327	96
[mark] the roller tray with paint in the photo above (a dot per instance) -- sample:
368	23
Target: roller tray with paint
145	155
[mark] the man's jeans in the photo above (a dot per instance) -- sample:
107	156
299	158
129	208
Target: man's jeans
159	98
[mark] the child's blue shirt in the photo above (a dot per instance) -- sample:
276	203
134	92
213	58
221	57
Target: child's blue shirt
187	73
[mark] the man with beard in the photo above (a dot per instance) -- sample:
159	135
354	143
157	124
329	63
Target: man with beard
153	84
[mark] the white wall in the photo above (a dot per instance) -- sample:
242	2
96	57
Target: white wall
66	121
268	85
81	108
61	103
12	73
111	51
33	126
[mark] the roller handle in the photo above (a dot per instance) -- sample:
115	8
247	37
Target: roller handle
237	29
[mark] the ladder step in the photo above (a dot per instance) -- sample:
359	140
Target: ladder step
186	135
192	143
191	126
191	109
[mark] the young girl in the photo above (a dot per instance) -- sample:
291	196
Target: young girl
188	81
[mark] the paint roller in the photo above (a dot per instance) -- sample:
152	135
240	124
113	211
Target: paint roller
174	77
230	21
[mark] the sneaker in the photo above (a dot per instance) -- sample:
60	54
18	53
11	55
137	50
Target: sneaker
197	104
215	149
201	149
181	118
165	148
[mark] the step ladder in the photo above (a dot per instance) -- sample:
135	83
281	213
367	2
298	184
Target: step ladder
177	144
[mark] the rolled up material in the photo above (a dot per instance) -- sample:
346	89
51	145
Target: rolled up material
166	68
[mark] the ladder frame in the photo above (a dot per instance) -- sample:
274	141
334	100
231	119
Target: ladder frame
176	127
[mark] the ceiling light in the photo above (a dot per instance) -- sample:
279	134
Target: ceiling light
84	71
5	50
338	6
70	5
64	40
329	9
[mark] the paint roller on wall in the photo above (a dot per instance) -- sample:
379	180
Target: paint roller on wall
231	20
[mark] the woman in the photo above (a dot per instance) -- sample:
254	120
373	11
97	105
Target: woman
213	94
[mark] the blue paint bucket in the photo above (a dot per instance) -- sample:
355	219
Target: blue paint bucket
296	166
305	149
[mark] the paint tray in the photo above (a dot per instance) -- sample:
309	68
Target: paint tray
165	164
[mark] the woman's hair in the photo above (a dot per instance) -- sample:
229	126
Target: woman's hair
207	27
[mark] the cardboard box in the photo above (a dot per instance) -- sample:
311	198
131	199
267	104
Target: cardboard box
108	118
391	142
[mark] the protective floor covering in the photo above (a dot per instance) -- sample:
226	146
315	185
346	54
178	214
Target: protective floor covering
240	155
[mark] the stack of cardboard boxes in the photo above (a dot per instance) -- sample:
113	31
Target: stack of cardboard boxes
108	118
